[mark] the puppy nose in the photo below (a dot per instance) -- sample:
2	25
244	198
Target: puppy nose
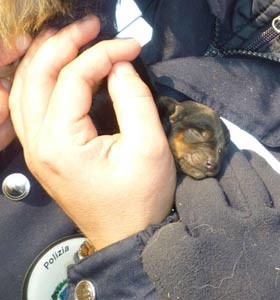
211	164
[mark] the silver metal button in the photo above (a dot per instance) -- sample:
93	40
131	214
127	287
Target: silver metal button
85	291
16	187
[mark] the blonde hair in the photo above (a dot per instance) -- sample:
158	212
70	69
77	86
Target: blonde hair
21	16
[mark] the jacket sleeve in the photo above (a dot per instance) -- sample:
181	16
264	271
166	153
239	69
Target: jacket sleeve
116	272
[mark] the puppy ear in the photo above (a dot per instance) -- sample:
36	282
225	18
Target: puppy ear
178	109
168	103
169	107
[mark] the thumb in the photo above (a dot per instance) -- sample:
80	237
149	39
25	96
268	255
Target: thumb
134	106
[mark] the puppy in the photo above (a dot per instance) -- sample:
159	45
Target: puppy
198	138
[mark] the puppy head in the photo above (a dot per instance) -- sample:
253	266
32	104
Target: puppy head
198	138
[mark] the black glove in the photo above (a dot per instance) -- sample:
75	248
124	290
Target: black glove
227	242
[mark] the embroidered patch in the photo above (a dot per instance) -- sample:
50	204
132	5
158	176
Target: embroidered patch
46	278
60	291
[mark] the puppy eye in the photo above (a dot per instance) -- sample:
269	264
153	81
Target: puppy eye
192	135
191	131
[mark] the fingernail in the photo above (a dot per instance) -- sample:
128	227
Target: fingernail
127	38
23	42
123	68
6	84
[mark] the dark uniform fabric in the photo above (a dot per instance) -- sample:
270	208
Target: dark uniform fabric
199	50
105	10
226	242
26	228
117	271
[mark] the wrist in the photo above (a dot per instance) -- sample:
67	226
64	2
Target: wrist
100	239
103	238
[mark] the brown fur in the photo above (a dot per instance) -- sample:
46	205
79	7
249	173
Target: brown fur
20	16
197	136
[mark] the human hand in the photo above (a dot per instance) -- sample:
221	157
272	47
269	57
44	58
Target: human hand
110	186
7	56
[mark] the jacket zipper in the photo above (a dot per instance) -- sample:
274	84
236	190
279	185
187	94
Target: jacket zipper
265	37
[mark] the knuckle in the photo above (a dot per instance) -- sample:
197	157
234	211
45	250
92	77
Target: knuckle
103	49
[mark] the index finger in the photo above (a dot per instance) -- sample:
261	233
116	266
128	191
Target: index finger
73	93
37	74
